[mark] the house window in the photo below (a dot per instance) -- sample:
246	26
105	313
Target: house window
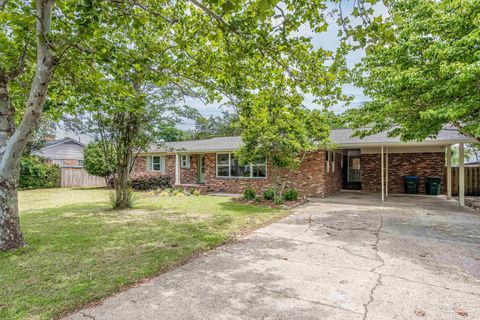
185	161
229	166
223	165
333	161
157	163
80	163
327	161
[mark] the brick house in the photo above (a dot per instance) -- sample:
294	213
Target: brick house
355	164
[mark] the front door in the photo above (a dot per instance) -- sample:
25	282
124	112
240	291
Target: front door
351	173
201	168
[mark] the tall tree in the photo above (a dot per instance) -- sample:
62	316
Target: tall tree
215	49
281	129
421	69
217	126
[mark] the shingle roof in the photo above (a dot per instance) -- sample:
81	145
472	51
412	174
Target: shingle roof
342	137
60	141
213	144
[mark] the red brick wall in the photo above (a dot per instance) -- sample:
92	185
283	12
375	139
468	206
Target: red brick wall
187	175
399	165
309	180
333	180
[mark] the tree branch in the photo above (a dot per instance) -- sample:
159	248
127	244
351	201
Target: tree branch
210	12
38	93
21	66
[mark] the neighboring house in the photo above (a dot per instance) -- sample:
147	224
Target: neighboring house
65	152
355	164
68	154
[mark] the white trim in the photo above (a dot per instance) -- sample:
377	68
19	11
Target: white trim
62	142
230	167
177	169
449	172
185	165
461	175
150	163
386	172
383	178
333	162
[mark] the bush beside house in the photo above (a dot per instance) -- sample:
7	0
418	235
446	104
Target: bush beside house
37	173
147	181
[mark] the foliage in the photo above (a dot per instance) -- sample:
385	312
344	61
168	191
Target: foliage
95	161
421	69
269	194
150	181
281	129
132	199
278	201
216	126
74	225
249	194
291	195
116	60
36	173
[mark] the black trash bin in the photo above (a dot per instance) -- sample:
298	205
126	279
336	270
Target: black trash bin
433	185
411	184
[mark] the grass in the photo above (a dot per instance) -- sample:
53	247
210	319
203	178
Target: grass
81	251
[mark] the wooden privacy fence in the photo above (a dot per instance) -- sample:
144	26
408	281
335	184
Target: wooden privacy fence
78	177
472	181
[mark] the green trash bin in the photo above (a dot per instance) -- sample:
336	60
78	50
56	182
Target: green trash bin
433	185
411	184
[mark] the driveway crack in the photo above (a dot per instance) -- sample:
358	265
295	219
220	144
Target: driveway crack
373	270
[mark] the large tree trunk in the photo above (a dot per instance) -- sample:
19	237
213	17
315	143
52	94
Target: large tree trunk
13	142
10	234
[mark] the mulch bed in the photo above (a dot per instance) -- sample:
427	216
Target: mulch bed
269	203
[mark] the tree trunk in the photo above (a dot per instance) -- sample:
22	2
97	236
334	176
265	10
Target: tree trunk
13	141
10	235
124	150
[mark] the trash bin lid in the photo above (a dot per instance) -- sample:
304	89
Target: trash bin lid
411	177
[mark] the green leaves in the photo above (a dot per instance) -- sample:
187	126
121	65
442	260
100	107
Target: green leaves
421	69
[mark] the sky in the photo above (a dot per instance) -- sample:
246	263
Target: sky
328	40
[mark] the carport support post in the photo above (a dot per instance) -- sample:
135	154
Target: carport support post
177	169
461	175
386	172
383	175
449	172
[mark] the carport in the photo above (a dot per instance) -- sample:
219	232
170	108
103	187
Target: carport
378	163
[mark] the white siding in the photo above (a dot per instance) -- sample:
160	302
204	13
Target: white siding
67	150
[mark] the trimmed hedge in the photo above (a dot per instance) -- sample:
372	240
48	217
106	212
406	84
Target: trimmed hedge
35	173
150	181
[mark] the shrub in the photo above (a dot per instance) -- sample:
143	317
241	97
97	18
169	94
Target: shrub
278	201
150	181
249	194
291	195
132	199
269	194
35	173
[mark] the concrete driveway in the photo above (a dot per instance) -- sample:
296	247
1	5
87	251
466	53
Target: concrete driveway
344	257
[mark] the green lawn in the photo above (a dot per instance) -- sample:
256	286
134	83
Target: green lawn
81	251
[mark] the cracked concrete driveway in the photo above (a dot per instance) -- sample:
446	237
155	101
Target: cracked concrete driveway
343	257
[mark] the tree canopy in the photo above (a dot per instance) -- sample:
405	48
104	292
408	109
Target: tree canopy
421	69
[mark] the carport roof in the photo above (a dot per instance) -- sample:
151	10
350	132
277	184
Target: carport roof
342	137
